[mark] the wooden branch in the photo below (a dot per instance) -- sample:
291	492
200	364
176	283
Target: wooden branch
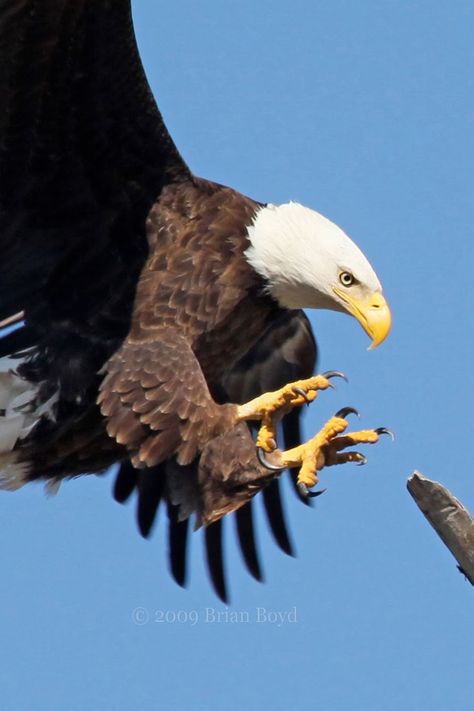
450	519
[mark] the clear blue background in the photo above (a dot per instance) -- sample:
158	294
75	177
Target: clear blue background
362	110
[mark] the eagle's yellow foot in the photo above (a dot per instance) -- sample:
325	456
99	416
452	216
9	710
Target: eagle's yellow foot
324	449
269	408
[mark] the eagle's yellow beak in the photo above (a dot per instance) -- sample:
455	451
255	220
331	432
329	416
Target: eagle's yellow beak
373	314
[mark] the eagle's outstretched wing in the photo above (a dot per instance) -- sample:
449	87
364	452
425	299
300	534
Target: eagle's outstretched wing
84	153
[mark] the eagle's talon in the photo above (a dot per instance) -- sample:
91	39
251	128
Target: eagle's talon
299	391
385	430
335	374
314	494
362	459
308	493
344	411
261	456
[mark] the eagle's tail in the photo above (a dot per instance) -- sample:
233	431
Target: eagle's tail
20	412
35	443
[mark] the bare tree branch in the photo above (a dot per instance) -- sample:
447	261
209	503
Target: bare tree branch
451	520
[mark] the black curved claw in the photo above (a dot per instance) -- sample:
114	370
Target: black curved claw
265	463
362	461
300	391
307	493
335	374
385	430
344	411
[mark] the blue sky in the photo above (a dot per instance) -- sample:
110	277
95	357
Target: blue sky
364	111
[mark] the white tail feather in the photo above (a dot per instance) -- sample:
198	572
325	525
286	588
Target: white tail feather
11	428
20	412
13	473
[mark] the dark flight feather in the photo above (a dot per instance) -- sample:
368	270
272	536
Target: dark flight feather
213	537
246	535
178	533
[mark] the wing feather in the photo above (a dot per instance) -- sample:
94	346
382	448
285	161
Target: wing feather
151	487
247	540
125	482
178	535
214	547
276	517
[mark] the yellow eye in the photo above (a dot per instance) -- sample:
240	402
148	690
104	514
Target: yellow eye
346	278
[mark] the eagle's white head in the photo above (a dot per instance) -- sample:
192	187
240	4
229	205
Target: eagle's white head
309	262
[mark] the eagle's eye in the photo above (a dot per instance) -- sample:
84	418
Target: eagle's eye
346	278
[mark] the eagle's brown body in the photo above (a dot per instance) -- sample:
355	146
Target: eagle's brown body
196	278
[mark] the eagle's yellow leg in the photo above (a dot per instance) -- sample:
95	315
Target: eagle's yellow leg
324	449
269	408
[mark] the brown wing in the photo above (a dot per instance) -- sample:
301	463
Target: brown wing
286	351
84	154
157	402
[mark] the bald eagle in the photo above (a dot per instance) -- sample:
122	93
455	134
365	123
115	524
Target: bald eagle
155	309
